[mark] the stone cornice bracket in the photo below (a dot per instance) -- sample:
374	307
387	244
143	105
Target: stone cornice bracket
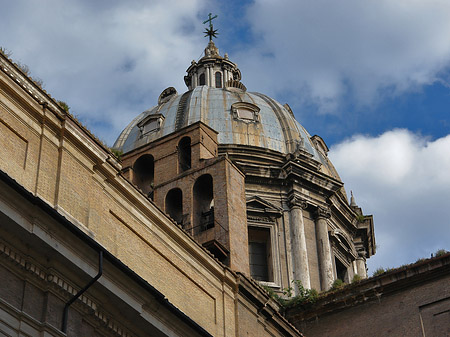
322	212
298	202
44	111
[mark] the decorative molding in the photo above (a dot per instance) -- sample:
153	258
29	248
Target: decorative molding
343	242
167	94
245	112
261	219
361	253
151	123
29	86
257	204
295	201
59	283
343	258
323	212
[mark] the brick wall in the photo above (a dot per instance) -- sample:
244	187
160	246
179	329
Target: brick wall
410	301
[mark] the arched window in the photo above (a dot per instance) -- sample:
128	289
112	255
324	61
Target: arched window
203	212
184	154
218	79
174	205
144	172
201	79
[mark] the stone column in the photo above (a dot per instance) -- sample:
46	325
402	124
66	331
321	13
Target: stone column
207	79
225	77
361	264
323	248
211	77
194	80
298	243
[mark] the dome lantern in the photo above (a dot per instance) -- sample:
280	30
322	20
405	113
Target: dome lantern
213	70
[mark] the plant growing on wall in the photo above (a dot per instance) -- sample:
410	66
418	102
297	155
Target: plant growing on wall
304	297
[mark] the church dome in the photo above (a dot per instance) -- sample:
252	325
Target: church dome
217	98
245	118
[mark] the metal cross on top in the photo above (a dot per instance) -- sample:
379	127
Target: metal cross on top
211	32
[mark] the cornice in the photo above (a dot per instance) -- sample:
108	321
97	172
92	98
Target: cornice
317	180
374	288
266	306
48	104
51	277
41	97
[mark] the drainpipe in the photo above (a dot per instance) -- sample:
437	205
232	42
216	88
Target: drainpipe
73	299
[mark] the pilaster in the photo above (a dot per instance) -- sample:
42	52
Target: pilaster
207	77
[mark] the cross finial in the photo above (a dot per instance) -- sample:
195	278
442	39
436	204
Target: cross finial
210	20
211	32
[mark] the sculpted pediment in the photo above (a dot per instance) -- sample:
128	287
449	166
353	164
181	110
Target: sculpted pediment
259	205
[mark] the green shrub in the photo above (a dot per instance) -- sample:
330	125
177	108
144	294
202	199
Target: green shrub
64	105
440	252
360	218
117	153
304	297
379	271
5	52
337	284
356	278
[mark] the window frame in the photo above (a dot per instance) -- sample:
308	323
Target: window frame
220	84
275	260
200	77
239	109
158	118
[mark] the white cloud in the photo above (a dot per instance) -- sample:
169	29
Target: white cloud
325	49
403	179
111	59
109	62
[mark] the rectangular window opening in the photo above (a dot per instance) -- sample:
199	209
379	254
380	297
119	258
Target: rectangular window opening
260	254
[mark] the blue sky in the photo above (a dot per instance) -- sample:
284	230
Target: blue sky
370	77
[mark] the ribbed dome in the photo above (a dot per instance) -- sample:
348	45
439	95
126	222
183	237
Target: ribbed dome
217	98
272	127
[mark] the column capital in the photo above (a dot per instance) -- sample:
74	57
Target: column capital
322	212
361	254
297	202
